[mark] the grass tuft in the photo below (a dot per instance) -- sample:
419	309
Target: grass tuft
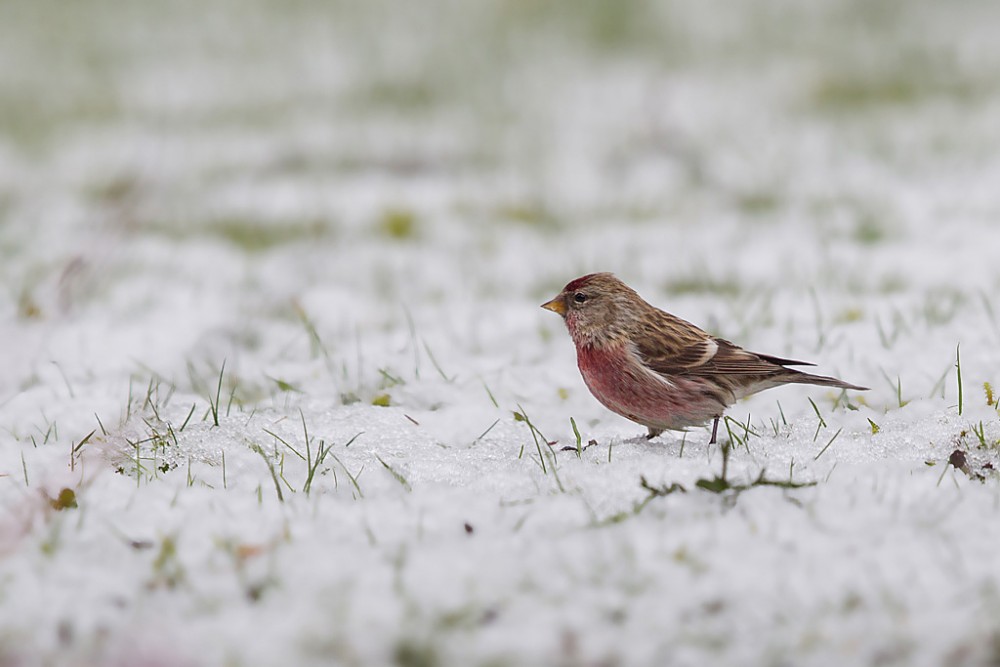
411	653
75	449
214	405
396	475
521	416
65	500
488	429
718	484
827	445
958	372
821	423
579	439
270	468
398	223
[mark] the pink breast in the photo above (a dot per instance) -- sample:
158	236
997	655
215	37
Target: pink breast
617	379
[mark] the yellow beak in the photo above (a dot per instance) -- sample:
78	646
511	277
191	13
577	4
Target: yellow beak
556	305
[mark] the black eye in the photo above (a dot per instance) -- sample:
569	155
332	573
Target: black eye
579	297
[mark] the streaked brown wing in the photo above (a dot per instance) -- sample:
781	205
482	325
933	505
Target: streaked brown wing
707	356
668	344
734	360
783	362
672	346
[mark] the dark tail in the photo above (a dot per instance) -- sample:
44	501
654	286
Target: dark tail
798	377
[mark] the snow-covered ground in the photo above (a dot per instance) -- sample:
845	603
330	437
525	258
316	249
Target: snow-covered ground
274	376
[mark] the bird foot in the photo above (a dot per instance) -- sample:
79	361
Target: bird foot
715	430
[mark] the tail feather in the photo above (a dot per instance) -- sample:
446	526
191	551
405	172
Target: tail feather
798	377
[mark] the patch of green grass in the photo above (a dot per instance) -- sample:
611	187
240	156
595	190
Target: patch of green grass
168	571
615	24
848	315
258	236
113	190
414	653
533	214
27	305
623	26
251	236
892	283
397	94
911	79
31	126
703	284
758	202
843	91
66	499
398	223
869	231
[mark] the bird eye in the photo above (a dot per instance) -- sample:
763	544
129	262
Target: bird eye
579	297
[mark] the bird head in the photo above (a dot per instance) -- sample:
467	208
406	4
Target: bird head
595	307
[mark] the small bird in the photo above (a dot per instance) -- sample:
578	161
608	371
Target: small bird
658	370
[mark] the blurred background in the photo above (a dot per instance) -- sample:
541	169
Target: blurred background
344	215
178	180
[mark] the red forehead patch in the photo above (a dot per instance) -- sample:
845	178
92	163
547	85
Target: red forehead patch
579	282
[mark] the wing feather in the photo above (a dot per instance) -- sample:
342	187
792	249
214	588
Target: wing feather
671	346
783	362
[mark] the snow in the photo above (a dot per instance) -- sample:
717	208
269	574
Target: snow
346	210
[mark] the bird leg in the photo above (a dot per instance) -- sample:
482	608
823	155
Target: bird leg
653	432
715	430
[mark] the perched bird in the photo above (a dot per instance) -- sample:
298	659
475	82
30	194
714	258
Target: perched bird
657	369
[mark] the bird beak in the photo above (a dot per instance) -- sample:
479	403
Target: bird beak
556	305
